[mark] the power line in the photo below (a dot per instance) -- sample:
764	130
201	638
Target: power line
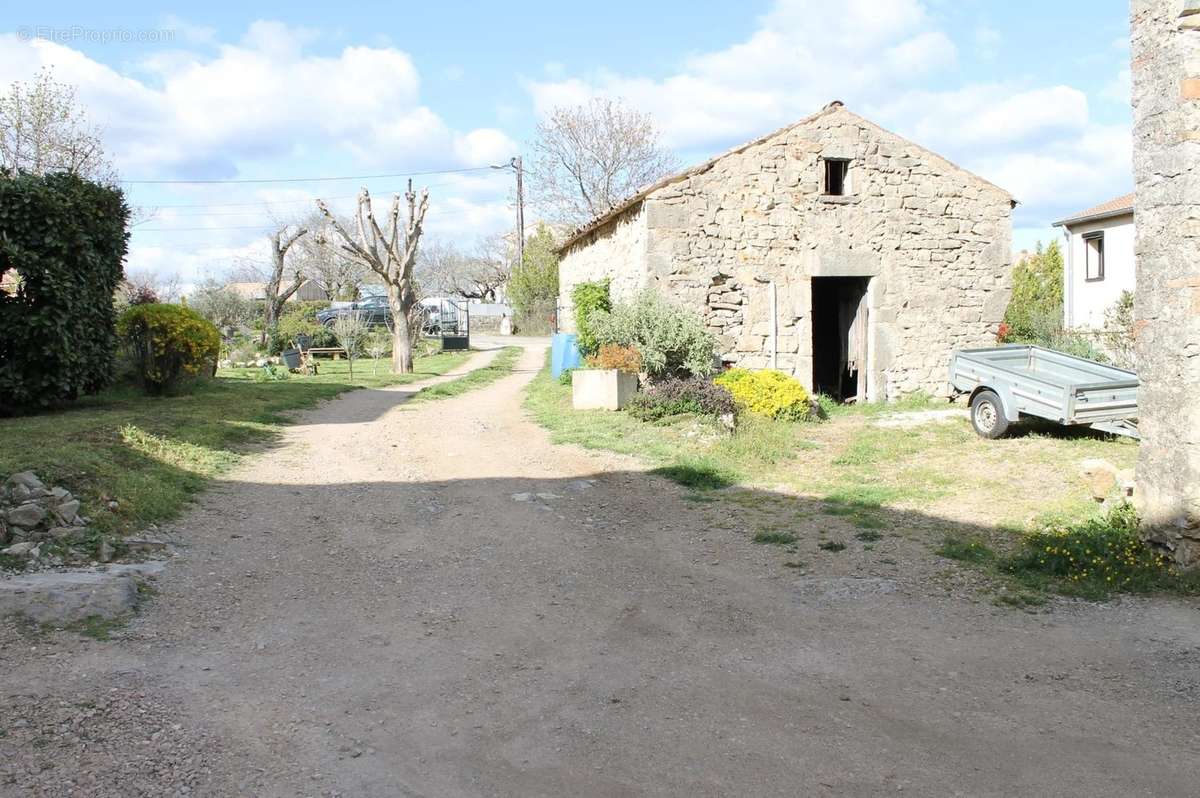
256	203
305	179
266	227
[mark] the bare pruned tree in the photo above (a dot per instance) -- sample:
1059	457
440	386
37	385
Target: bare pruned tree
276	294
42	129
588	158
481	273
324	260
392	254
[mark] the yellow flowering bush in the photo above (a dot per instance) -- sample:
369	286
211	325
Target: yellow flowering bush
1094	557
169	344
767	393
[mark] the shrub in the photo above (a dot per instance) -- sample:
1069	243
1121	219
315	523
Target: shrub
1073	343
613	356
673	396
65	238
228	310
533	284
586	299
767	393
169	344
271	373
671	340
1118	330
1034	312
300	318
1093	557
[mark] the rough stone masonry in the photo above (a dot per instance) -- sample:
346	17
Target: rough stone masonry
1166	155
933	239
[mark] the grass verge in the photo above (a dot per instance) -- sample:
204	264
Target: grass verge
151	454
1090	558
687	449
501	366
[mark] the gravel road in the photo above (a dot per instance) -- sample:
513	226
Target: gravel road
434	600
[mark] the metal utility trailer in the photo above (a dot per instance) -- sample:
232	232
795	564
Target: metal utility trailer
1007	382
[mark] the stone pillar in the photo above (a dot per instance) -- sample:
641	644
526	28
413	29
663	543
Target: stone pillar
1166	165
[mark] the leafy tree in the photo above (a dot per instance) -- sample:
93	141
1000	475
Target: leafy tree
1035	311
42	130
533	284
227	310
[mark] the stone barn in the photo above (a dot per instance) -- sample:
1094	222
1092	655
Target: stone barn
831	249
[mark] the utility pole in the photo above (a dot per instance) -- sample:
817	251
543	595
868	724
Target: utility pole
516	164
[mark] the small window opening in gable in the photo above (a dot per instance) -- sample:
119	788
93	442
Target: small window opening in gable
1093	245
837	177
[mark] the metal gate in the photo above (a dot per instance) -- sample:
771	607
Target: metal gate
454	324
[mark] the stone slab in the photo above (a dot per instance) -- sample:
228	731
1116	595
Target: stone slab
57	597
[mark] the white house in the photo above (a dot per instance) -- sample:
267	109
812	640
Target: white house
1098	261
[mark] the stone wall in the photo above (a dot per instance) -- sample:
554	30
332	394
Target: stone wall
617	251
1166	162
935	240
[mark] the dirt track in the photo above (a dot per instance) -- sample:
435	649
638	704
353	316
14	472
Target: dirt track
433	600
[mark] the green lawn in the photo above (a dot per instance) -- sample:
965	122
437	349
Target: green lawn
501	366
692	451
152	454
851	478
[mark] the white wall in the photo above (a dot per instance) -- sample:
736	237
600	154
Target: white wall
1085	302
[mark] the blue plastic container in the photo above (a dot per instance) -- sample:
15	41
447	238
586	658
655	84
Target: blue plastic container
564	353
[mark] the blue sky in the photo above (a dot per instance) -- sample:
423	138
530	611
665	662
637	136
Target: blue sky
1033	96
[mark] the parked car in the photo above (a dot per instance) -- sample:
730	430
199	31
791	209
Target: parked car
377	314
374	309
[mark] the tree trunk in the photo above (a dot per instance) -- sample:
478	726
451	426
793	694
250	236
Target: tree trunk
402	344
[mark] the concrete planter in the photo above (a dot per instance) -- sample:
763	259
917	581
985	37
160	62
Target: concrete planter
602	389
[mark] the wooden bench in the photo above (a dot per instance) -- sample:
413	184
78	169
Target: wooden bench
335	351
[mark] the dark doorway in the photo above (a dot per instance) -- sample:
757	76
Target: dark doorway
839	337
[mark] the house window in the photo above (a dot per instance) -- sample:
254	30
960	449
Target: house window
1093	247
837	181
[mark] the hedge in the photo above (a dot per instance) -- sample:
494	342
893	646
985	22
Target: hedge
169	344
65	237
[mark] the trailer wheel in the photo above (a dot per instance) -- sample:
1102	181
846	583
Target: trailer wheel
987	415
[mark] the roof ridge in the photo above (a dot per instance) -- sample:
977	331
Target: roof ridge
700	168
1117	206
601	219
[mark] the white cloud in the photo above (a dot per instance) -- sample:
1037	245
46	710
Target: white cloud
485	146
264	97
804	54
1038	141
265	106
